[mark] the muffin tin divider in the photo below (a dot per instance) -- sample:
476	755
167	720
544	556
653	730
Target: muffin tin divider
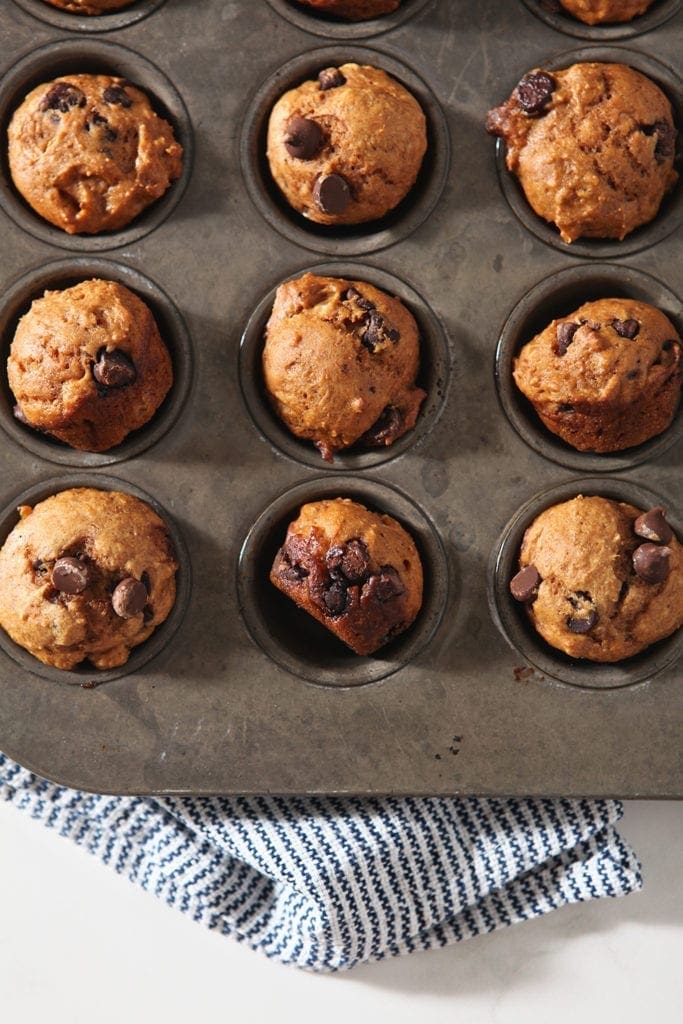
213	713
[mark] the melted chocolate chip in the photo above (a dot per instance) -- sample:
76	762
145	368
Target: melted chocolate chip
586	614
303	138
666	138
626	328
535	91
332	194
631	375
336	598
114	369
129	598
69	576
653	526
580	624
349	561
565	336
353	295
386	429
378	332
331	78
524	586
384	586
117	95
652	562
110	134
62	97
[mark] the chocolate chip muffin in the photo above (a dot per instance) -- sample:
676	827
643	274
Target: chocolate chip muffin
601	579
90	6
87	365
355	571
605	378
89	154
592	145
352	10
86	575
347	147
599	12
340	362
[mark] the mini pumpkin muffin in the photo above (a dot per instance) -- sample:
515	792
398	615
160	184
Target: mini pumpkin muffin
352	10
605	378
89	154
599	12
339	363
357	572
86	575
601	579
90	6
592	145
87	365
347	147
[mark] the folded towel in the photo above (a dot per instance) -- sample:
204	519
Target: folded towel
327	883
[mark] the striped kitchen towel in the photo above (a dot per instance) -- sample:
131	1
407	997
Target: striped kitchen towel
327	883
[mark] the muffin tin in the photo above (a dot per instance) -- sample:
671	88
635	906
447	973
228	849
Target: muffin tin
239	692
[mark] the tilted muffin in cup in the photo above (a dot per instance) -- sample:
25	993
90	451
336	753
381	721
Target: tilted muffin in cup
88	366
86	575
89	154
600	12
340	362
600	579
356	572
347	147
592	146
352	10
605	378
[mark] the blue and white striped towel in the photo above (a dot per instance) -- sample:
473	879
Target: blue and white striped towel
327	883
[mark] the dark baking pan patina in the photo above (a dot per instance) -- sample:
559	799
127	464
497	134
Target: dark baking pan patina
240	692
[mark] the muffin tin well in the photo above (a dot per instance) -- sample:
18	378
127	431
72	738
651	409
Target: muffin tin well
511	618
558	296
563	21
355	239
337	28
670	216
94	23
16	301
240	691
434	374
84	674
92	56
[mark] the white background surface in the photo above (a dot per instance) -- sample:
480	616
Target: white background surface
79	945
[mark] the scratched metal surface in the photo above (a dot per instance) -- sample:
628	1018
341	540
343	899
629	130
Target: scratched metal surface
212	712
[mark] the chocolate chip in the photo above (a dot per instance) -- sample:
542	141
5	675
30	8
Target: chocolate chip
332	194
582	625
653	526
303	138
386	429
331	78
668	345
62	96
336	598
631	375
350	561
114	369
535	91
117	95
69	576
565	407
385	585
129	598
524	586
626	328
353	295
377	332
110	134
565	336
666	138
652	562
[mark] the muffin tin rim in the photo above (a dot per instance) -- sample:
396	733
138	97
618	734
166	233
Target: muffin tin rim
109	22
16	78
529	427
304	453
365	238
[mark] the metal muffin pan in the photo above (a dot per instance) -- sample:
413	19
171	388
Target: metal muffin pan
249	696
337	28
95	23
562	21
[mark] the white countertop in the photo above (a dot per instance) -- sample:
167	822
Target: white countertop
79	945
